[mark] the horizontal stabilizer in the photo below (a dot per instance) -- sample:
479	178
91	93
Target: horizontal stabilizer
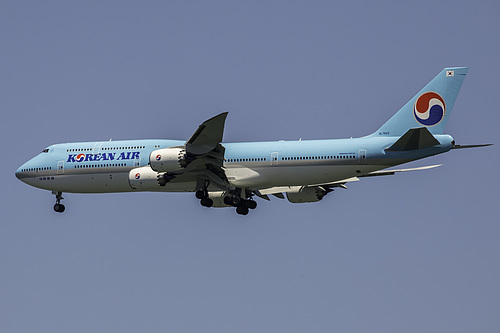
471	146
415	138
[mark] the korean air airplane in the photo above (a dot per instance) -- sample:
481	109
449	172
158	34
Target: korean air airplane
234	174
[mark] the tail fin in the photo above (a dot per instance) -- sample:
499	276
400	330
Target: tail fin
430	108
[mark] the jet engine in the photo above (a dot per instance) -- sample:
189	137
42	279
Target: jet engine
168	159
143	178
306	194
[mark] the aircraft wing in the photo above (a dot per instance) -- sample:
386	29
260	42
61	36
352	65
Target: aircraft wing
328	187
208	135
390	172
205	155
394	171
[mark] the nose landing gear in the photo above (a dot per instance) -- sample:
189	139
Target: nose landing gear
59	207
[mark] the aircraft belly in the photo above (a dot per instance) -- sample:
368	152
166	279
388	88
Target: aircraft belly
92	183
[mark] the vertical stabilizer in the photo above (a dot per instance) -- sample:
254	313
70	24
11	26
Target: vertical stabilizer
431	107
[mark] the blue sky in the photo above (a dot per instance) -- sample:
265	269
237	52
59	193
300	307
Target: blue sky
413	252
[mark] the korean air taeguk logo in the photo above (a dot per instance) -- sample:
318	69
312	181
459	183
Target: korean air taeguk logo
79	157
429	109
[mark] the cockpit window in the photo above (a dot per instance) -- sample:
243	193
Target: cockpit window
46	150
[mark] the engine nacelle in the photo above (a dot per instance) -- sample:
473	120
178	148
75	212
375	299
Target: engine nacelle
168	159
143	179
218	198
306	194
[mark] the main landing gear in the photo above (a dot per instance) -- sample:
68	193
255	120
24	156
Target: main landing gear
245	205
242	205
231	198
204	199
59	207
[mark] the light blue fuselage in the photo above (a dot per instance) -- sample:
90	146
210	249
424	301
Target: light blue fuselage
231	174
104	167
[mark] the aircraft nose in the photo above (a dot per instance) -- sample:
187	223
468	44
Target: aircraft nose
20	172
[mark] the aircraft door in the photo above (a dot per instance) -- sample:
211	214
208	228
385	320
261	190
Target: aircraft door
97	148
362	157
274	158
60	167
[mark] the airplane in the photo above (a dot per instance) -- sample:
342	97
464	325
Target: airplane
233	174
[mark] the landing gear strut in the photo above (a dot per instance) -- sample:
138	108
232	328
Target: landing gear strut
59	207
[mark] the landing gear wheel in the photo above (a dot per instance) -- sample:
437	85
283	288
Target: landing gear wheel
235	201
251	204
228	201
207	202
242	210
200	194
59	208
